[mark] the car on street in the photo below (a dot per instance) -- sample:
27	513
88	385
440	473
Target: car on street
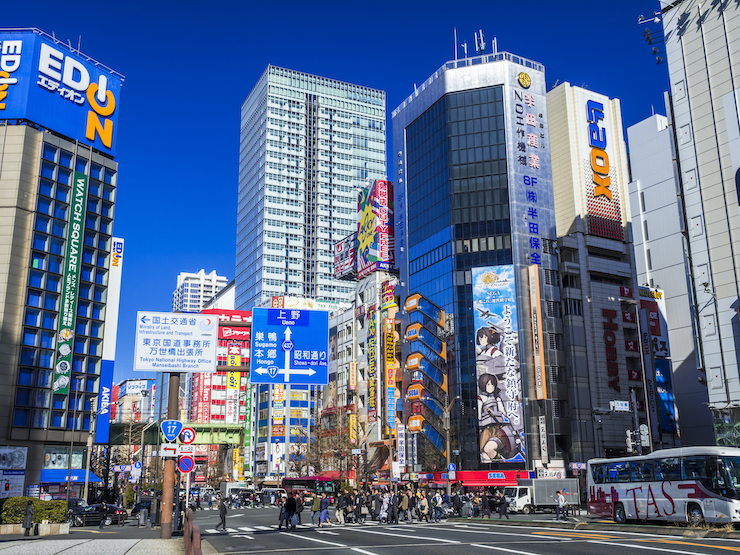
92	515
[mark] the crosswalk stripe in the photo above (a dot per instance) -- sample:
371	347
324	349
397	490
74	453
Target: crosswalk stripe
211	531
246	529
263	528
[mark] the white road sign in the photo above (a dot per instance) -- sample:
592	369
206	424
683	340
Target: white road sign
168	342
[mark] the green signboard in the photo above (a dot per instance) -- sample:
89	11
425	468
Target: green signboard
70	286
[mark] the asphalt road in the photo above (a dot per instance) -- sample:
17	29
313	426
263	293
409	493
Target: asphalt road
255	531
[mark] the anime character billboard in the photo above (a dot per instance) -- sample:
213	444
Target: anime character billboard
500	418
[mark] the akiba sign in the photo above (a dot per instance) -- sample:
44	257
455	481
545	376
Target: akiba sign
49	83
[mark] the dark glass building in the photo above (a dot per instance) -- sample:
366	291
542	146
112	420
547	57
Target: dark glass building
474	204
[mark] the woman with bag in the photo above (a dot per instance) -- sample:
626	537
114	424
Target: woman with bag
423	508
28	518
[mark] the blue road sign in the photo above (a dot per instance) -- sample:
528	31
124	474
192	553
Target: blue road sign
137	464
186	464
290	346
171	429
451	467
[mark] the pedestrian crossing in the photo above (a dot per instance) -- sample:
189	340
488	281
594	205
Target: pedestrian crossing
242	530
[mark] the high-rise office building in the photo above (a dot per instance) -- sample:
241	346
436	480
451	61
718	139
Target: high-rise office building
58	261
700	38
475	235
307	144
195	290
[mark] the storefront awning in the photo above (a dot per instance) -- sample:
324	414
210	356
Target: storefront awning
59	476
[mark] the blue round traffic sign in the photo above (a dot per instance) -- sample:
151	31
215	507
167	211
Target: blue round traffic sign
451	467
186	464
137	464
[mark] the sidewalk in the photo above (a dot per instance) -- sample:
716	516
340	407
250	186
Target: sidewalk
82	546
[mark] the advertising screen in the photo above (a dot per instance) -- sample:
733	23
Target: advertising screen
345	257
53	85
500	417
375	232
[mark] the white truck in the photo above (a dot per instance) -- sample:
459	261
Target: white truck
227	487
540	494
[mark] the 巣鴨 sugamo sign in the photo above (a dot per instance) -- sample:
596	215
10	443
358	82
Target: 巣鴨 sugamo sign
290	346
168	342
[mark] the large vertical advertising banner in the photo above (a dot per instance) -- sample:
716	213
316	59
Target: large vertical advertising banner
500	416
375	230
372	377
538	349
233	380
70	286
110	334
248	429
390	374
48	82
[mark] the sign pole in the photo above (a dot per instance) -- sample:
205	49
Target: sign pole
168	484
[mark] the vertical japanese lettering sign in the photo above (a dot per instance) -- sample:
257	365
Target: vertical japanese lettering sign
498	374
390	374
70	286
538	352
372	398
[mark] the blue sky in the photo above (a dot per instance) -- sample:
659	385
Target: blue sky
189	66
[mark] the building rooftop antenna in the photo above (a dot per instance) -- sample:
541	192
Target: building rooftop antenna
480	43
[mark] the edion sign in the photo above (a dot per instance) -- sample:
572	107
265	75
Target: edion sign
48	82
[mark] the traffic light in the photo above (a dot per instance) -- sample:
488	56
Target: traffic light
341	455
630	443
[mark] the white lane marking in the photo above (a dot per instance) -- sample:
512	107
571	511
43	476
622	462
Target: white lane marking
314	540
648	547
212	531
246	529
473	529
232	530
406	536
548	528
263	528
244	536
362	551
502	549
327	532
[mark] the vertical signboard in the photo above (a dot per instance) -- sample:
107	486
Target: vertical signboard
544	452
401	444
352	376
248	427
110	334
500	417
232	396
664	388
538	352
345	258
70	286
372	391
375	231
205	400
390	373
649	376
353	429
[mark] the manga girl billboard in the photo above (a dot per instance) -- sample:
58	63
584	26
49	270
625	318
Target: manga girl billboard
498	375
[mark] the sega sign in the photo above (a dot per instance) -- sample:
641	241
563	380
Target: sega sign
49	83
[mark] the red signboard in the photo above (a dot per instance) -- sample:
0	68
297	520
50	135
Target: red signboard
625	292
229	332
244	316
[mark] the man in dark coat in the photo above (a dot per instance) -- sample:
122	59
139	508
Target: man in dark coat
393	509
290	507
485	505
378	505
222	513
28	518
299	507
103	515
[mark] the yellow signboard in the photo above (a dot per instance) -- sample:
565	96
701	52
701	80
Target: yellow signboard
234	360
232	379
353	428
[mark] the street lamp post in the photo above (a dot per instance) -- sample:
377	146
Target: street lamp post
141	457
448	406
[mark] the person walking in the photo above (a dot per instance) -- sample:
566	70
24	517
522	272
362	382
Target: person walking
299	505
562	503
502	505
315	508
412	506
405	506
341	506
324	511
103	515
485	505
290	507
423	508
378	505
281	514
222	513
28	518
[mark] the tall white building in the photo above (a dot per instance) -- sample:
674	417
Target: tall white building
307	144
700	41
195	290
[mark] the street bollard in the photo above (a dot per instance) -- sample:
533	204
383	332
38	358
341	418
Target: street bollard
144	517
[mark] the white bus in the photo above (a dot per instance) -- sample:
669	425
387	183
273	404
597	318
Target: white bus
687	484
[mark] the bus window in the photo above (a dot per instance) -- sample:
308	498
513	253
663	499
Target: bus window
618	472
698	468
641	471
668	469
598	473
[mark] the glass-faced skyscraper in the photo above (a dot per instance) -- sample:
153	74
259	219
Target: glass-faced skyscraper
475	229
307	144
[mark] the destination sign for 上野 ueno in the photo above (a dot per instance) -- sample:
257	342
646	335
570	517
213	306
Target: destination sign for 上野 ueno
167	342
